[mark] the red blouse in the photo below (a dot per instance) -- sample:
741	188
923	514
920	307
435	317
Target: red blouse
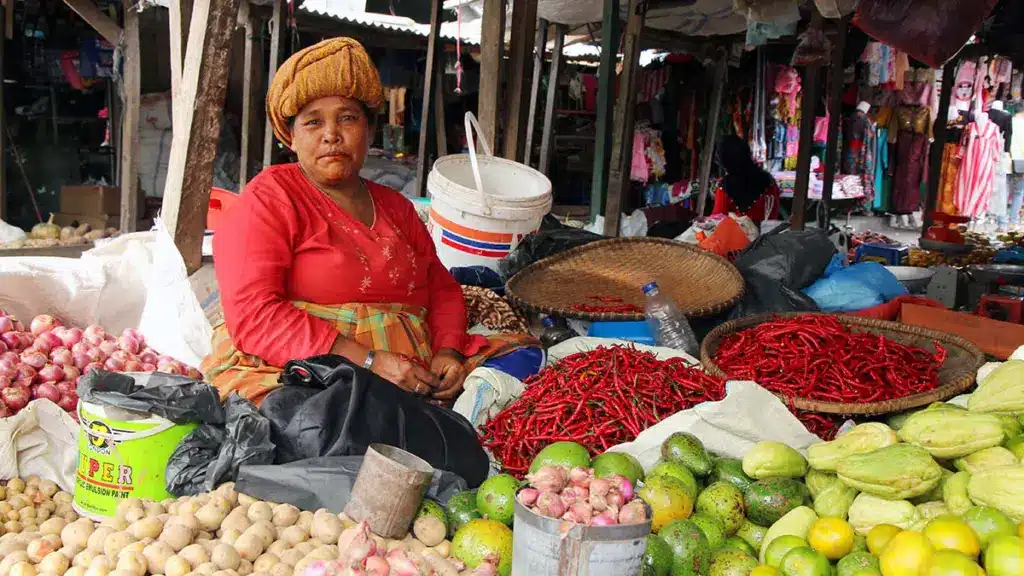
724	204
285	240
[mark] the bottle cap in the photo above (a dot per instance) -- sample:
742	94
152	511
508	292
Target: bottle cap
651	288
547	321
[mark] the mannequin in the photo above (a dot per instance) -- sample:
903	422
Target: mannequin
1016	191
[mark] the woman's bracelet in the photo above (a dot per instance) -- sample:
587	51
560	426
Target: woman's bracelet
368	363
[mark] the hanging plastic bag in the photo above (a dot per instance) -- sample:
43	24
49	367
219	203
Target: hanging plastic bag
727	239
931	31
812	48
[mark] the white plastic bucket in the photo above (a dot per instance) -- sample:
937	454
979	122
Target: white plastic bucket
482	207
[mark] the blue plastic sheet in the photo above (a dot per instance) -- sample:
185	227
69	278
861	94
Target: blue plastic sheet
857	287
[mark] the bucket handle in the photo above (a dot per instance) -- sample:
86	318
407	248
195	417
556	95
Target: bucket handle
163	426
471	126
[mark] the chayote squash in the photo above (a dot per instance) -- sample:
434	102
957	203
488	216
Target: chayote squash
835	501
770	459
946	433
935	494
1002	392
1011	425
932	510
858	440
1016	445
994	457
796	523
868	511
817	481
1000	488
954	493
895	472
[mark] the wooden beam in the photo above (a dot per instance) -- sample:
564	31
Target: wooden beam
492	56
520	61
540	47
132	89
554	74
100	22
440	120
625	118
4	15
276	31
707	153
429	79
204	84
605	101
941	136
251	66
809	101
179	19
835	95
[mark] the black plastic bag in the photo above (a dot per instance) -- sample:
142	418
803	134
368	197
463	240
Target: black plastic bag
777	266
211	455
542	245
176	398
324	483
330	407
931	31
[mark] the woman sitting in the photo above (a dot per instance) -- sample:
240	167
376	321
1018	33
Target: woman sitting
747	189
314	260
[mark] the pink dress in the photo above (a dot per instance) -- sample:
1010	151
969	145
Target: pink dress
982	144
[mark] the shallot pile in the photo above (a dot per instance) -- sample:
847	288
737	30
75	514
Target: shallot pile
577	496
46	360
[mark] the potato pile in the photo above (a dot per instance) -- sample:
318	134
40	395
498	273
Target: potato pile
52	235
223	533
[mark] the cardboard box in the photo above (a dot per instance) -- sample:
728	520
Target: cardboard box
90	200
995	338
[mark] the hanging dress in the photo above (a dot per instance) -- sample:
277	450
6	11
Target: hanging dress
981	149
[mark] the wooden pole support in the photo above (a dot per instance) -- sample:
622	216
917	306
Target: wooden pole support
941	135
520	61
605	101
276	31
429	78
100	22
539	49
835	94
803	155
707	153
492	56
554	73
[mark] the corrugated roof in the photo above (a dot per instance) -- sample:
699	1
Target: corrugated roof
330	9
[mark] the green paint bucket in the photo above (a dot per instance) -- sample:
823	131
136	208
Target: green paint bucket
122	455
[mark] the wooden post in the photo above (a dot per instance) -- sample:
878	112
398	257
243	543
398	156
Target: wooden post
204	83
96	18
803	156
179	17
3	122
252	65
538	73
625	118
834	111
520	60
440	120
492	56
276	31
605	100
130	123
941	135
429	78
554	73
707	153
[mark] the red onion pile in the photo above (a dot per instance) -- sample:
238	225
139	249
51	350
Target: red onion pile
47	359
576	496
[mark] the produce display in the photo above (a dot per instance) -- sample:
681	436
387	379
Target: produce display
47	234
818	357
46	360
597	399
607	305
576	495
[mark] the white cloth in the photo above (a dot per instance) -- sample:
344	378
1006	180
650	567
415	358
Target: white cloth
40	440
1000	187
485	393
587	343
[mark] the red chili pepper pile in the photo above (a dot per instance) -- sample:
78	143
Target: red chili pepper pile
817	357
610	304
598	399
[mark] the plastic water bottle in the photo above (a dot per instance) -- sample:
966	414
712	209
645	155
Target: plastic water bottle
553	333
669	326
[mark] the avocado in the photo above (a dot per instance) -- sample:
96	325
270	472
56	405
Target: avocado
689	451
730	470
691	554
657	557
737	543
752	534
772	498
731	563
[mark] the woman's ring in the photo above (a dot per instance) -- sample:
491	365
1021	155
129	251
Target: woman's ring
417	388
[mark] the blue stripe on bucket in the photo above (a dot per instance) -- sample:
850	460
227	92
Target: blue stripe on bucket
474	243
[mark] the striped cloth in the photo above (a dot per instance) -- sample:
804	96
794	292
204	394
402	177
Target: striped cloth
983	145
394	328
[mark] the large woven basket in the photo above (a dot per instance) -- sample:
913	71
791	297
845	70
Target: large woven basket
701	282
955	376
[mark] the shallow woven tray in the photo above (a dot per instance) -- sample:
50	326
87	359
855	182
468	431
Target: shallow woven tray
701	282
956	375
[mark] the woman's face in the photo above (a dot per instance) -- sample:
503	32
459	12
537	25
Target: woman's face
331	137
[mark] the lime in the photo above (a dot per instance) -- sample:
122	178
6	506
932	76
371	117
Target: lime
1005	556
855	562
989	523
724	502
712	528
690	553
951	563
731	563
496	496
764	570
948	532
669	501
481	539
805	562
737	543
611	463
460	510
778	548
567	454
832	537
679	472
879	536
906	554
657	557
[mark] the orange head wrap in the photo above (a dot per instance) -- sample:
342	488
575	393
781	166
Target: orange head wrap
335	67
